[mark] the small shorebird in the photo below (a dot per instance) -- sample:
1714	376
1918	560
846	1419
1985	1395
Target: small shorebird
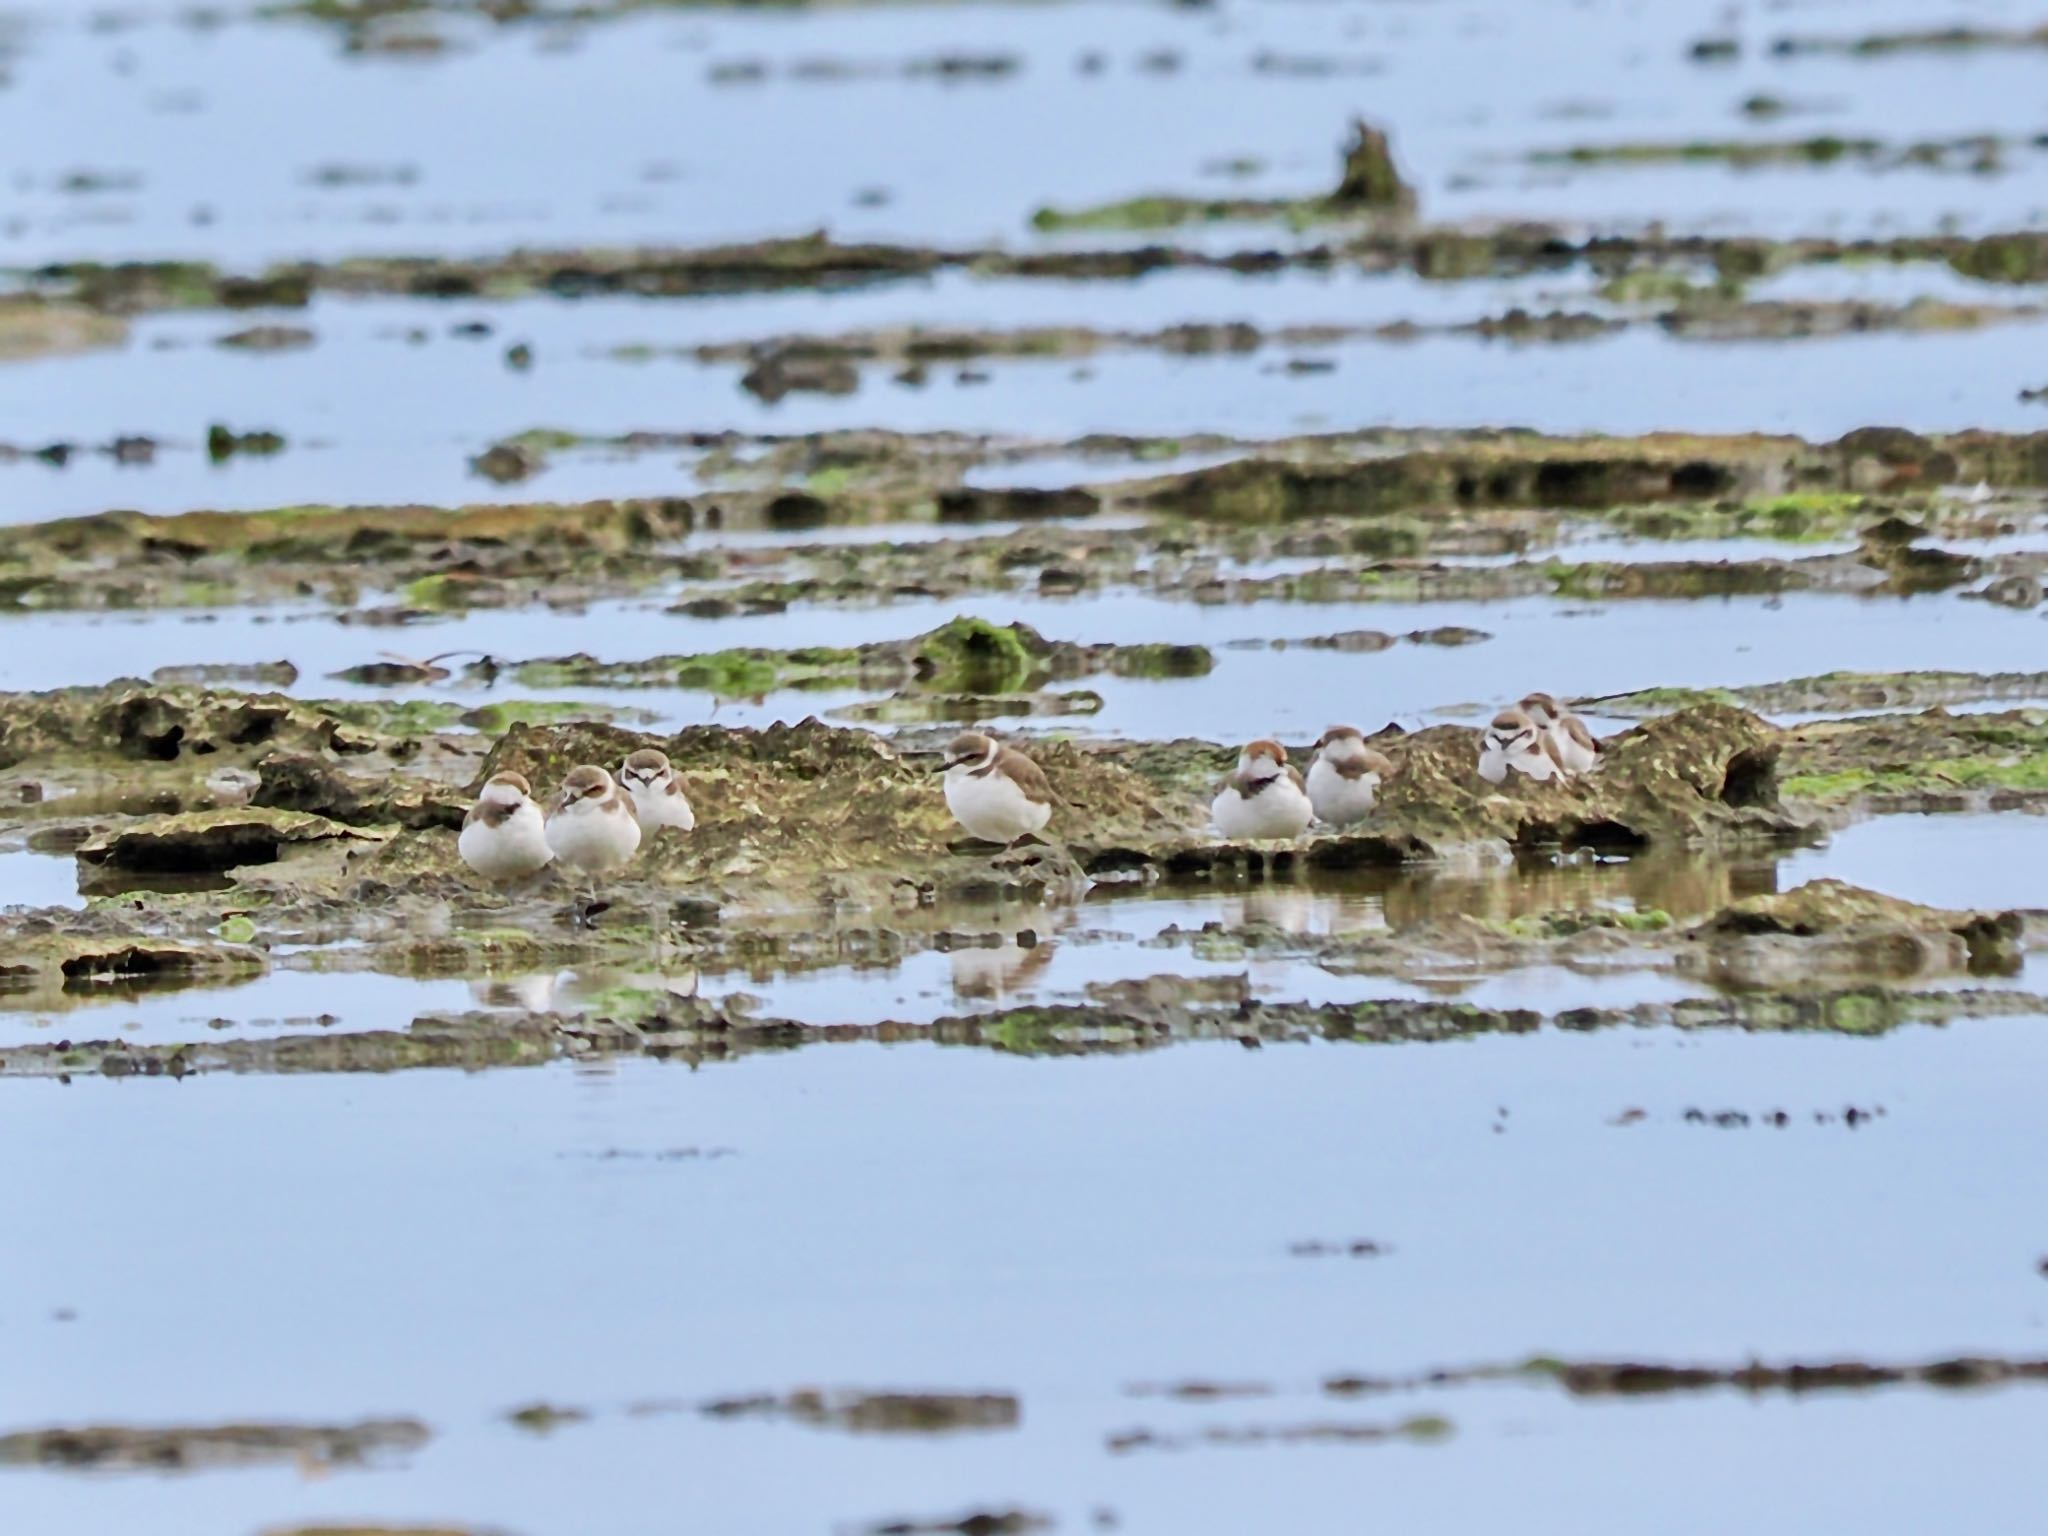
503	836
1345	776
1264	799
591	829
1577	752
656	793
995	792
1518	742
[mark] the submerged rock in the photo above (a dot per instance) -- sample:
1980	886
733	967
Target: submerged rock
80	963
1827	930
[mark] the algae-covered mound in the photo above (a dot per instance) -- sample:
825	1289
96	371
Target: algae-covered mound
1702	775
964	656
810	811
1920	762
1830	930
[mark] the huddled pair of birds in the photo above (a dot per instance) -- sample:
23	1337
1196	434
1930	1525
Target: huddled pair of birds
997	794
593	827
1539	738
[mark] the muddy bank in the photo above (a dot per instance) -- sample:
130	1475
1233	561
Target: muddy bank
1146	1016
1835	692
1376	510
1510	469
120	1448
887	1413
821	263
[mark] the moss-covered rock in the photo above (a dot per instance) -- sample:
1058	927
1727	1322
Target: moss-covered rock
1928	761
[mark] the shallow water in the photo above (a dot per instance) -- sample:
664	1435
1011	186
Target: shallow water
904	1217
279	1002
377	422
1987	862
1470	88
1570	648
1010	954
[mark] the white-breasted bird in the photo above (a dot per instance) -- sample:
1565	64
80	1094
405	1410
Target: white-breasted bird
1264	798
591	827
995	792
1345	776
1577	750
1514	741
504	836
651	783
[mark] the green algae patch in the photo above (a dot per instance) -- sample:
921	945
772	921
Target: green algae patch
1842	692
969	655
1928	761
966	656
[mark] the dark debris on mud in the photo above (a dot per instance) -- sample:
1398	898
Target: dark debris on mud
108	1447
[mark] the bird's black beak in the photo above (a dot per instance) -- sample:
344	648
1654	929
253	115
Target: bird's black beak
944	763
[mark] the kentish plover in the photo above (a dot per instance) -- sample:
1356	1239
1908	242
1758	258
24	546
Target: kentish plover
503	836
995	792
1577	751
1264	798
1514	741
656	793
591	827
1345	776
